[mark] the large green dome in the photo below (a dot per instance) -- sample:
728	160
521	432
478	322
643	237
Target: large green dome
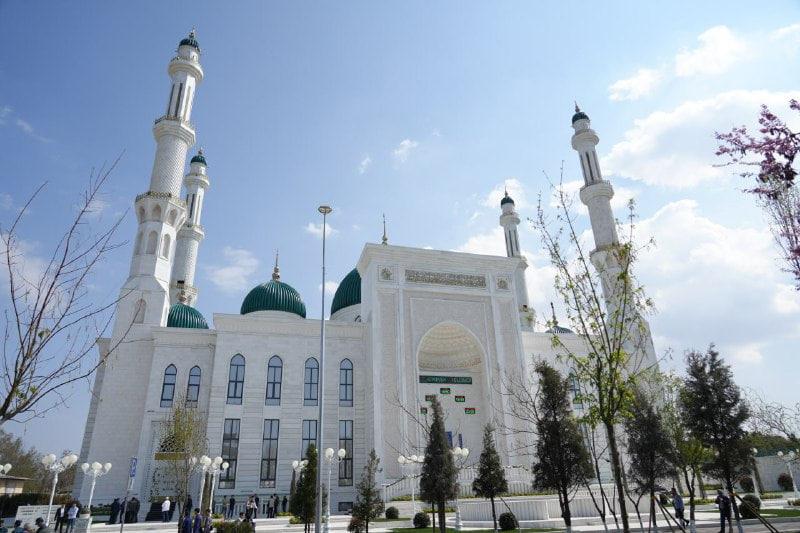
348	293
184	316
274	296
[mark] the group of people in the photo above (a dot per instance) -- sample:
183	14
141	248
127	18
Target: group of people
129	508
65	516
253	506
723	502
41	527
197	522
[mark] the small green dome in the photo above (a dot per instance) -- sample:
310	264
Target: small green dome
184	316
348	293
190	41
580	115
199	158
274	296
506	200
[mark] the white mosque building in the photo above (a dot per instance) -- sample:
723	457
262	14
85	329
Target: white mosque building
405	324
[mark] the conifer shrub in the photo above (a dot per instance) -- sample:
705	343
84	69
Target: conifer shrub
507	522
392	513
421	520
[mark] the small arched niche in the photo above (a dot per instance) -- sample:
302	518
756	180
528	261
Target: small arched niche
449	345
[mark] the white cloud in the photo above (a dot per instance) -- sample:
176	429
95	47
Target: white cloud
786	300
316	229
364	164
234	276
5	111
403	150
490	243
787	32
28	130
719	49
330	287
6	201
676	148
747	353
516	190
640	84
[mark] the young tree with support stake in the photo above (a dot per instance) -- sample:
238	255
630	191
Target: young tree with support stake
491	480
438	481
715	414
304	503
369	504
606	306
563	461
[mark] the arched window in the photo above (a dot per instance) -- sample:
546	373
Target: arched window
346	383
139	240
236	380
575	390
152	242
172	216
138	316
274	380
311	382
156	213
141	214
193	388
168	388
165	246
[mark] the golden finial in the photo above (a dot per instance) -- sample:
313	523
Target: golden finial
276	272
385	239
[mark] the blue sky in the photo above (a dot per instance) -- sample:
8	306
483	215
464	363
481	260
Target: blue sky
423	111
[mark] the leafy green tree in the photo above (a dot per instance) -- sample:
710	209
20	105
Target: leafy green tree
304	503
491	480
438	480
563	461
715	414
650	450
369	504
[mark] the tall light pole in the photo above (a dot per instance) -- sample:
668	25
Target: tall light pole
411	463
325	210
203	464
216	466
789	458
95	470
56	466
460	455
755	474
338	457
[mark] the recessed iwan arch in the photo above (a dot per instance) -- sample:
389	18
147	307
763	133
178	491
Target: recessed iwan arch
449	345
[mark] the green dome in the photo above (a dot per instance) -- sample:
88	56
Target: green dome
348	293
579	115
199	158
190	41
274	296
506	200
185	316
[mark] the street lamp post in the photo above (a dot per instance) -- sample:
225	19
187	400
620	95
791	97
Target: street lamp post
460	455
217	466
789	458
298	467
56	466
325	210
755	474
331	457
95	470
203	464
411	464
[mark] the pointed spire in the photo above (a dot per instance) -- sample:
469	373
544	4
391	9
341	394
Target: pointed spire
384	239
276	272
577	109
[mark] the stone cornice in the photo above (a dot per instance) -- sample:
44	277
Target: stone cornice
184	337
170	125
178	64
278	323
434	260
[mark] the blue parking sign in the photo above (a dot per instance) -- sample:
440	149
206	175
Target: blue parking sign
133	467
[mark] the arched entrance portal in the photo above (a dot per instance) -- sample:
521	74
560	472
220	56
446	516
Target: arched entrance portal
451	367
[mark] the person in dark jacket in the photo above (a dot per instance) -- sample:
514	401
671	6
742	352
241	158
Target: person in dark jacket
724	505
197	521
136	504
258	506
41	527
114	511
186	523
61	517
284	503
231	507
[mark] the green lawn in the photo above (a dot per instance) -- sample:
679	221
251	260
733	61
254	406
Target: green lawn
449	530
769	513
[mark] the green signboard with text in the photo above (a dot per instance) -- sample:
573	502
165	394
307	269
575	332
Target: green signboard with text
469	410
447	380
460	399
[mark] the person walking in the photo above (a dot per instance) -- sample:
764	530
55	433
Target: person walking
724	505
197	521
17	527
206	523
231	507
72	514
257	500
275	502
284	503
187	507
165	506
677	503
60	517
186	523
114	511
135	505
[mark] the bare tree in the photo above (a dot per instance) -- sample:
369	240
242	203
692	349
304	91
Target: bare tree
606	306
773	418
182	435
51	320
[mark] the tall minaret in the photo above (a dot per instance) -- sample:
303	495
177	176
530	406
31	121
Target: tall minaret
509	220
596	194
191	233
160	211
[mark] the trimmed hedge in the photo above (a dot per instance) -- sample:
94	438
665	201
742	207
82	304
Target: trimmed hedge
750	506
421	521
785	482
392	513
507	522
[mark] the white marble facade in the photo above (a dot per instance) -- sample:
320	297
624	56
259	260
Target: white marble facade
428	322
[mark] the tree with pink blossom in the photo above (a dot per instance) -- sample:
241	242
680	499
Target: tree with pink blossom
769	160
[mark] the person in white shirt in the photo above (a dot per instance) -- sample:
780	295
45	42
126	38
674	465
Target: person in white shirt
165	510
72	514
